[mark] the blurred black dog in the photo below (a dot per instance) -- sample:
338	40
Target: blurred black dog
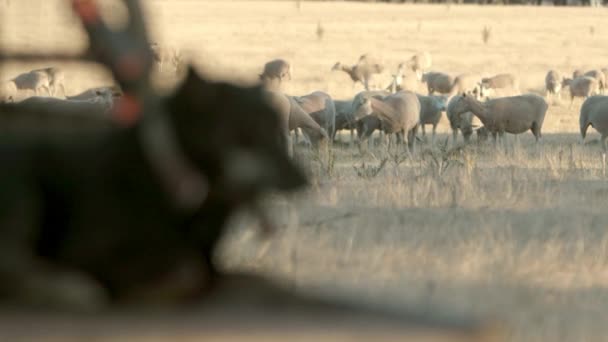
135	213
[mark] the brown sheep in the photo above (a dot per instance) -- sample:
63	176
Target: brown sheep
361	72
553	83
508	82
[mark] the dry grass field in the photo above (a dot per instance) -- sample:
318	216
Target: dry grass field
516	234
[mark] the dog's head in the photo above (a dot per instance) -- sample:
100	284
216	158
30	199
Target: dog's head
233	137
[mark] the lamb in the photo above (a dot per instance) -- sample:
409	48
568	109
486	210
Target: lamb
431	108
553	83
419	63
594	113
361	72
513	114
465	83
438	82
56	79
34	80
502	82
462	121
584	86
276	70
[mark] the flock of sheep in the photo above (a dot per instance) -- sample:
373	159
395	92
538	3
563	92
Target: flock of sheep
394	109
397	109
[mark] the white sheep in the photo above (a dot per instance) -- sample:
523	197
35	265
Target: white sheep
584	86
594	113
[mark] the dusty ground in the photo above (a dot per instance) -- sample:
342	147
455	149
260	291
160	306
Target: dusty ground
516	234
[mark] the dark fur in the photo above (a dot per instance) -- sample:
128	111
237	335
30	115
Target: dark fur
93	205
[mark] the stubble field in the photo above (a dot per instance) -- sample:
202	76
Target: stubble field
516	234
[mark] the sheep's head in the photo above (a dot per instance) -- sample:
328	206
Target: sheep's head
336	66
482	134
362	105
566	82
577	73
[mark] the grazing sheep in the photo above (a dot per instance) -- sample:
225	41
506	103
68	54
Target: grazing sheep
292	117
431	108
419	63
56	79
165	54
584	86
34	80
346	113
513	114
465	83
594	113
600	77
438	82
553	83
320	106
398	113
276	70
503	82
462	121
361	72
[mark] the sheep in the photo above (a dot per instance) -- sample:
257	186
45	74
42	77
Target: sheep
438	82
419	63
431	108
34	80
403	80
553	83
577	73
99	106
164	54
56	79
600	77
349	111
584	86
276	70
513	114
465	83
398	113
292	116
320	106
361	72
502	82
462	121
594	113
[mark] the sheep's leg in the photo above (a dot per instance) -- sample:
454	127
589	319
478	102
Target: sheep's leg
411	139
423	132
454	135
352	137
297	135
434	134
571	101
603	138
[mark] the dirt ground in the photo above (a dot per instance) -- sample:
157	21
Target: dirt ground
515	234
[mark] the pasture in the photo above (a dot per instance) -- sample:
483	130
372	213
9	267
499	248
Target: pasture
516	234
